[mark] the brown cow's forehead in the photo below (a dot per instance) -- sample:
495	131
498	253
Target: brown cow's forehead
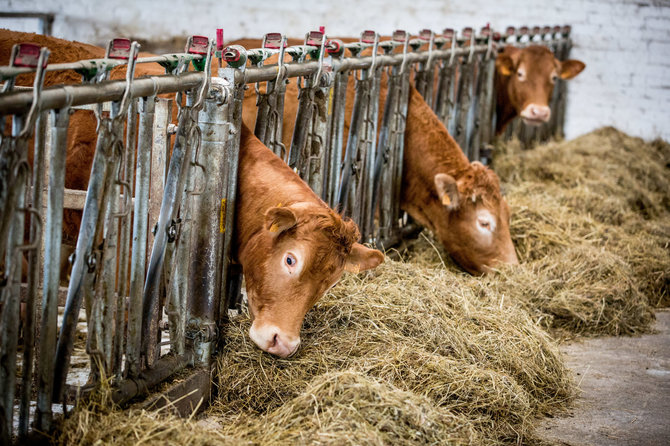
538	59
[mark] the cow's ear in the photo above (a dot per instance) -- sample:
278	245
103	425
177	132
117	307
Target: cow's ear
279	219
507	60
571	68
361	258
447	190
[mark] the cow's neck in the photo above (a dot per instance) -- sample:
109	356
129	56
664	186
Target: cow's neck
504	110
429	150
264	181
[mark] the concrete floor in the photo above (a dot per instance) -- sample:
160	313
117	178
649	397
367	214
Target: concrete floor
625	385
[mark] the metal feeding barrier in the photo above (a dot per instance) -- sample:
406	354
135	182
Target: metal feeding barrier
154	311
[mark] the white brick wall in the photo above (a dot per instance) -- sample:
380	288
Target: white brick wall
624	43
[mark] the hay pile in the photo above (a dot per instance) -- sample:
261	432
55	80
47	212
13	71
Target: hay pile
406	354
606	190
417	352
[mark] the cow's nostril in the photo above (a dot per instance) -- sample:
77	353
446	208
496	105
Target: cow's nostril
274	340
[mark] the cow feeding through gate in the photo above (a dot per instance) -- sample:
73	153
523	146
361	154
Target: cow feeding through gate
459	201
292	247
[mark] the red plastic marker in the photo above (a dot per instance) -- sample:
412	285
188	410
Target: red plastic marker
27	55
219	39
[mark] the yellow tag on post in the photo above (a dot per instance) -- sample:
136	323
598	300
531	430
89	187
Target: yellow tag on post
222	216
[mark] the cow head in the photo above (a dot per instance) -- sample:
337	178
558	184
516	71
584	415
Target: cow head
475	230
301	253
528	76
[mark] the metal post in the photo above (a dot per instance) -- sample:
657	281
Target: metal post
209	208
178	264
336	135
231	276
52	247
124	241
10	291
140	228
33	273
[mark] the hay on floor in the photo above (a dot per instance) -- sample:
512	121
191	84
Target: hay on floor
606	189
418	352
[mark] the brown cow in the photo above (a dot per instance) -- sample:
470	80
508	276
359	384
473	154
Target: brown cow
292	247
459	201
524	83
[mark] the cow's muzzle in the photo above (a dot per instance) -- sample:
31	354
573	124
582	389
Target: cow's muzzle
273	340
535	114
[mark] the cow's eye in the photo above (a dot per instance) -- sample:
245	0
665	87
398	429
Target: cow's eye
485	224
554	78
290	260
521	74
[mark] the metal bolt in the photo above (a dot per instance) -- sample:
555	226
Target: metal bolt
92	261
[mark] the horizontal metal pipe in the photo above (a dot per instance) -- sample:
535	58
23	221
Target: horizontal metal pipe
162	370
269	73
9	72
58	97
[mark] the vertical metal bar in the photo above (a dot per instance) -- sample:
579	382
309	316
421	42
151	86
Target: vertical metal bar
350	168
174	186
296	159
464	99
10	290
52	247
124	241
140	228
444	102
384	162
206	256
336	135
159	158
270	118
97	198
487	108
231	277
33	274
367	213
400	131
179	263
563	89
101	331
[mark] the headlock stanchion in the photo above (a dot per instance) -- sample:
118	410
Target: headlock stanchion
14	183
152	313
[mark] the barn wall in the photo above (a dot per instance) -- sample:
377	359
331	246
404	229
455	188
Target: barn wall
625	44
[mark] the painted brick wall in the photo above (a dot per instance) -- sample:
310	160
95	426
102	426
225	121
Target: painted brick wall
625	44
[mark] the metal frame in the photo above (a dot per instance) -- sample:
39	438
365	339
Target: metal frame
186	283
